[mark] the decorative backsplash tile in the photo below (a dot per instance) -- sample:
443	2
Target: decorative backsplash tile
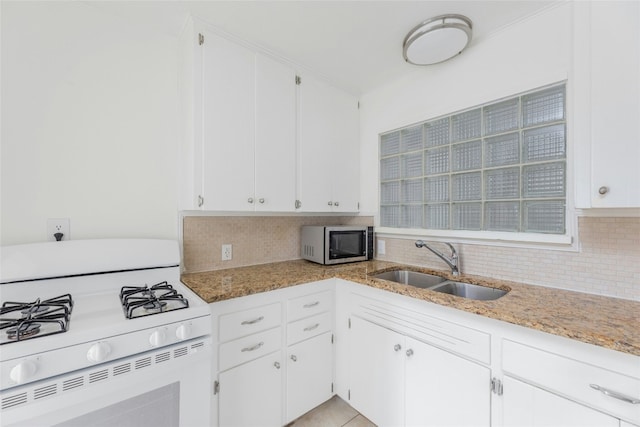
608	262
255	240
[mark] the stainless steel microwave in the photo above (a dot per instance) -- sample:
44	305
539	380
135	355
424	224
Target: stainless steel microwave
336	244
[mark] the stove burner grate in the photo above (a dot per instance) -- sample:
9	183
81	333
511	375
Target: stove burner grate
24	320
139	301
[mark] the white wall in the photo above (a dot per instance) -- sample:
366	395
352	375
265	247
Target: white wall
529	54
89	124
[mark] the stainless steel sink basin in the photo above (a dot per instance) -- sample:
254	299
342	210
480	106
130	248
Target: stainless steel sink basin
440	284
467	290
411	278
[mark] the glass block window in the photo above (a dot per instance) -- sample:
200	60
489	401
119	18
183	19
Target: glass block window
495	167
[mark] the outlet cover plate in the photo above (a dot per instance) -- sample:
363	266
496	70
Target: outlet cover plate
58	225
227	252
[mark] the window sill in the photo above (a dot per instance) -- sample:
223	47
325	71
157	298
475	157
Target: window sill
563	242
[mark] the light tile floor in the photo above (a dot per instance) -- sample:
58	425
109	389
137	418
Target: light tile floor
335	412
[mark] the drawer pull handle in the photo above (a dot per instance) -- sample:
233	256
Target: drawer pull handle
251	322
311	304
311	328
615	394
252	348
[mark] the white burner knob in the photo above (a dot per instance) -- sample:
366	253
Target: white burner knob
99	352
157	338
23	371
183	332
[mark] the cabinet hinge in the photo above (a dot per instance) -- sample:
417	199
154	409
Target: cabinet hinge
200	39
298	80
298	204
216	387
496	386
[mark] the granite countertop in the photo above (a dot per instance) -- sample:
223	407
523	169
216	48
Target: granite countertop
607	322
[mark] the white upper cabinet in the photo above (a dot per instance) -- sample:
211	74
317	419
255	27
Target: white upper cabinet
240	153
241	110
607	104
329	156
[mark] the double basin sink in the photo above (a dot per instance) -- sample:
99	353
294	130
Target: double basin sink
442	285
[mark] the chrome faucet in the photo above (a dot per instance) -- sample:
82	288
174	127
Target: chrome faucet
451	262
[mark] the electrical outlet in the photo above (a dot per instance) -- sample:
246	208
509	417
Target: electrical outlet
381	247
227	252
58	225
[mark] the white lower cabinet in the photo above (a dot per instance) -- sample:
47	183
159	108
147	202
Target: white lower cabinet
274	355
309	374
250	393
529	406
397	380
406	362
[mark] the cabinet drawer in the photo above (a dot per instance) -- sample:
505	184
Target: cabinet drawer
242	350
573	379
309	327
308	305
246	322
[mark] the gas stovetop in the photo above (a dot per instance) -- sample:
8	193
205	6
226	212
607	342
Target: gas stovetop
75	295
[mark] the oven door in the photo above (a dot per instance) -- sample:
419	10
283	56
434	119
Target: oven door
170	386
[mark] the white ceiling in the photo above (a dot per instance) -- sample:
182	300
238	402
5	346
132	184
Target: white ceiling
355	44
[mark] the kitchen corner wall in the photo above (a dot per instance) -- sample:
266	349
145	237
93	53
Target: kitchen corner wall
255	240
608	262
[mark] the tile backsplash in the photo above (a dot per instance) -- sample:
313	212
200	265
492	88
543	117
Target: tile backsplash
255	240
608	262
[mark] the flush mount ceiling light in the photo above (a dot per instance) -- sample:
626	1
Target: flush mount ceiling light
437	39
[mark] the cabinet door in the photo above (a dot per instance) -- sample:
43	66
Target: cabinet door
251	394
345	164
528	406
309	375
228	124
329	154
275	136
376	368
443	389
607	104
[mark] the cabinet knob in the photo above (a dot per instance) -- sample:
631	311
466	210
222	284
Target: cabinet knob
261	200
276	364
336	204
409	353
294	358
250	200
330	203
397	347
603	190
